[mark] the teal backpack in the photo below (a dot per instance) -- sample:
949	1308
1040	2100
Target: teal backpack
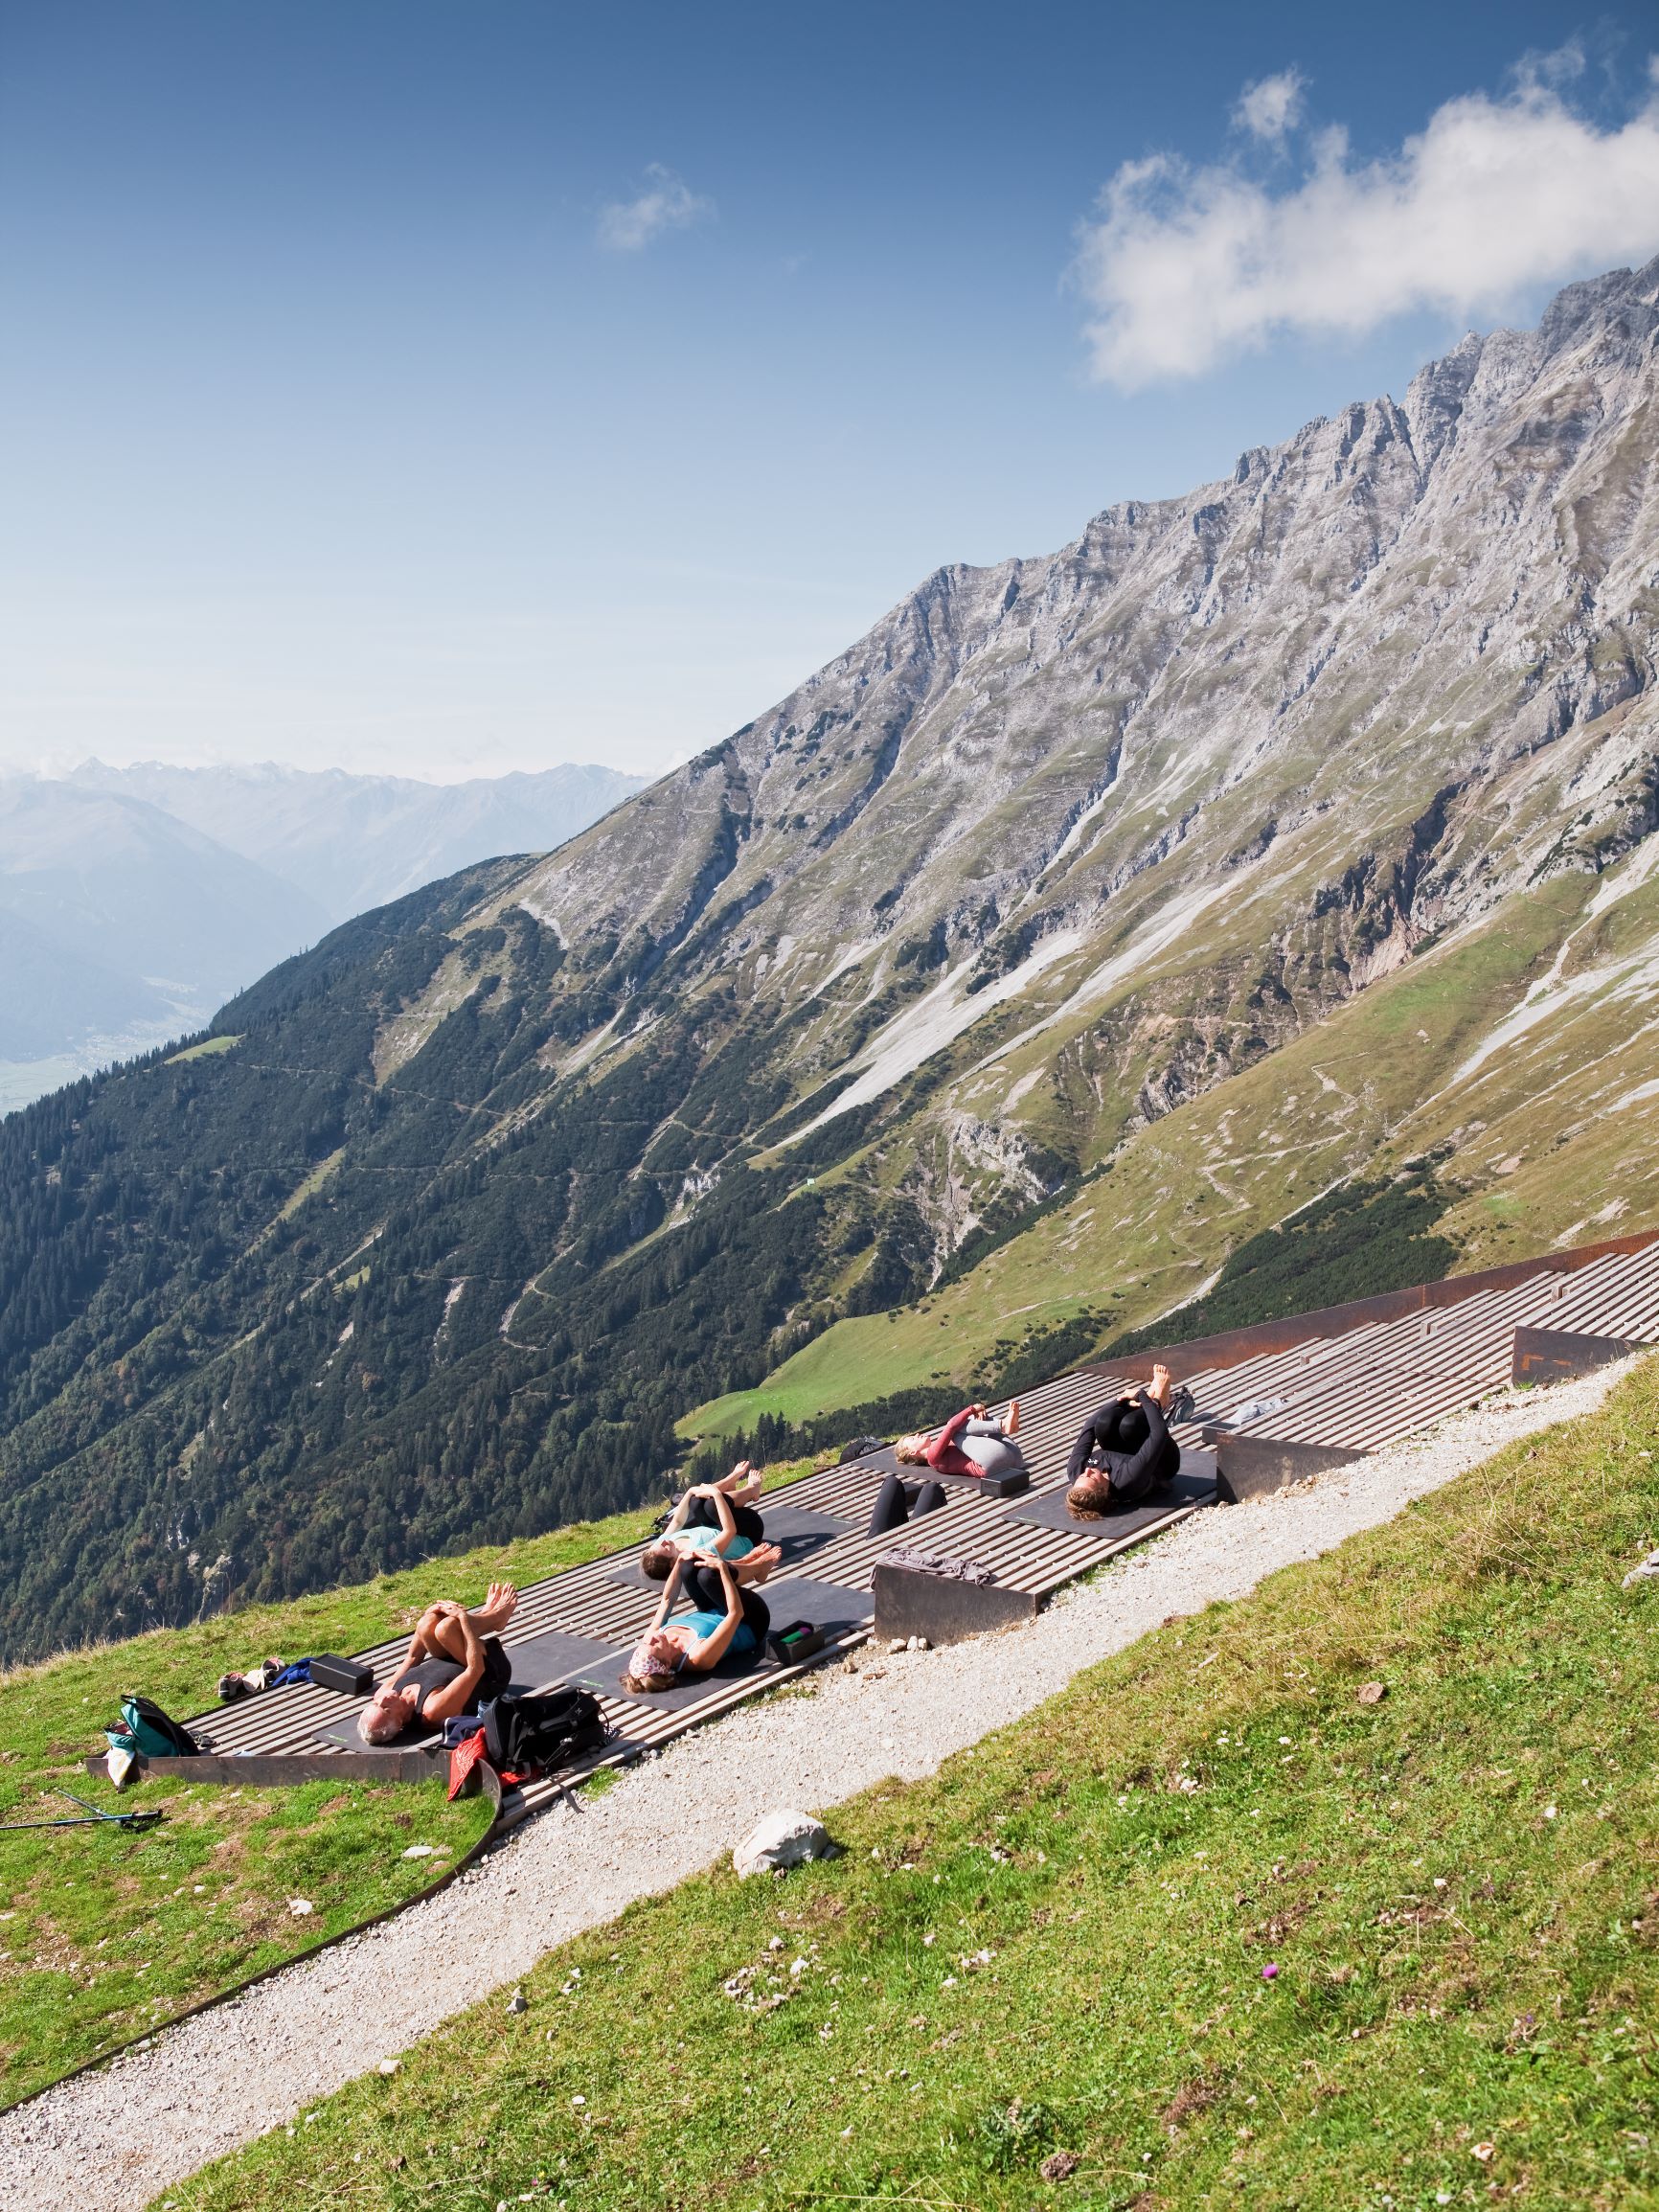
151	1732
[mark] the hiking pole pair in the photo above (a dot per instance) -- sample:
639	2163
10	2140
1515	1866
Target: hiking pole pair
91	1817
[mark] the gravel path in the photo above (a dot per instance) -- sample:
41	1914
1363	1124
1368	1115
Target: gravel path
219	2080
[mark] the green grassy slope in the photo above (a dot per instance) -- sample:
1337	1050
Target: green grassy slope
103	1935
1060	1945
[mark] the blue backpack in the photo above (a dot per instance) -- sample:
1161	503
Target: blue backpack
151	1732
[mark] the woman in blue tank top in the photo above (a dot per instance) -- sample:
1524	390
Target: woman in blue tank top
695	1644
716	1519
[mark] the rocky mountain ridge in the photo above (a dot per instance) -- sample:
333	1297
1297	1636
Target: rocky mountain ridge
1365	690
1084	920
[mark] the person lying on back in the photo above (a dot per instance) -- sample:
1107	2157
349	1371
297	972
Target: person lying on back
1123	1453
970	1443
717	1519
453	1665
672	1651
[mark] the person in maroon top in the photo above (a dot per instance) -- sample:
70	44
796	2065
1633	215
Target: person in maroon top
970	1443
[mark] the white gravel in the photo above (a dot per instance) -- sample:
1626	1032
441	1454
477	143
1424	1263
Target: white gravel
112	2139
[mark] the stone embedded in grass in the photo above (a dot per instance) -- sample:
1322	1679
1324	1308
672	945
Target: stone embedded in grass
299	1906
391	2066
1372	1693
519	2002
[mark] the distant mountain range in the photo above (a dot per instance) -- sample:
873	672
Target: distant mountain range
134	901
1279	855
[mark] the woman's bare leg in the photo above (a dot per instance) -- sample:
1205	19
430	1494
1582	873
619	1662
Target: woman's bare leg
742	1486
440	1632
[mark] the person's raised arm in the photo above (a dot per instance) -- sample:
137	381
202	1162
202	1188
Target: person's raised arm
709	1650
677	1519
455	1697
1088	1436
954	1426
1135	1470
671	1592
728	1522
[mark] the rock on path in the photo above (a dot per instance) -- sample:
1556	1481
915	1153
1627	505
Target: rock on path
218	2082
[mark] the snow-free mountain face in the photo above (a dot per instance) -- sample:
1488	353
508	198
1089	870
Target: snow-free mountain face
1378	678
1078	924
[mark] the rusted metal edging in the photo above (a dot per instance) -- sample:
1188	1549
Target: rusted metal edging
1231	1346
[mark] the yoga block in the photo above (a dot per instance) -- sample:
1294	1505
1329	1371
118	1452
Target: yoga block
910	1601
1008	1484
350	1676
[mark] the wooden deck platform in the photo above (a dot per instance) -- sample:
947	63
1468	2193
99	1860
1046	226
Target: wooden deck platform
1348	1390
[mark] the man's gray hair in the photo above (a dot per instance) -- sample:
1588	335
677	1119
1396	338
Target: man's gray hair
378	1723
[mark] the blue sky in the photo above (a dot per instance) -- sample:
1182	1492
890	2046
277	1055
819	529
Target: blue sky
450	388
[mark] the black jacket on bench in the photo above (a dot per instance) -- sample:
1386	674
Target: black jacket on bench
1153	1463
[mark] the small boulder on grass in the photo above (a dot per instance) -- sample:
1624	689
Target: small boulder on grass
782	1839
1372	1693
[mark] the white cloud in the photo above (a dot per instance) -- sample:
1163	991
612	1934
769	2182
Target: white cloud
1183	268
667	203
1268	108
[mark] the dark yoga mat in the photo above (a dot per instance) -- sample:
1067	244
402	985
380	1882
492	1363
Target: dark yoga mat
1193	1486
828	1606
344	1731
536	1662
1007	1485
795	1529
603	1679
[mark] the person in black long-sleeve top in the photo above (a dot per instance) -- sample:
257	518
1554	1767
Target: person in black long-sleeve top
1124	1454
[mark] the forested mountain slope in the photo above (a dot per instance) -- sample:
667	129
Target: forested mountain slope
1071	869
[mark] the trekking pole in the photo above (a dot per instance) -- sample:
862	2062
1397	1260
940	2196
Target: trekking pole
94	1817
121	1819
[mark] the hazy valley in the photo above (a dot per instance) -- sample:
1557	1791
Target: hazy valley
134	901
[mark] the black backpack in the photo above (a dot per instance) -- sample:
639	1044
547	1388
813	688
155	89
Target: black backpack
527	1732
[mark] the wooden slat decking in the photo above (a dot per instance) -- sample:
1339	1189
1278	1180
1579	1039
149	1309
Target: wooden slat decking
1356	1390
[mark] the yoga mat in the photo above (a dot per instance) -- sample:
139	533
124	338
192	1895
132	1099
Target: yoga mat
537	1663
828	1606
886	1462
1193	1486
345	1732
796	1530
550	1656
603	1678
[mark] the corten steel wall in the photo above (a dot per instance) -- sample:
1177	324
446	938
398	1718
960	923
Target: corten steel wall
1234	1345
